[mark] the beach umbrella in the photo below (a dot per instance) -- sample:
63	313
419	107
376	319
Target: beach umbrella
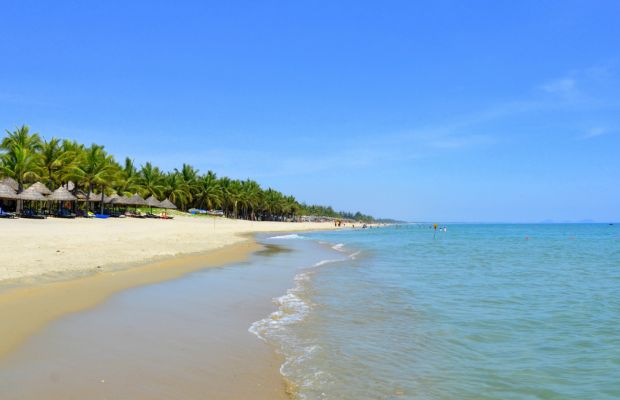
41	188
94	197
110	198
80	195
136	200
31	194
7	192
167	204
61	194
10	182
120	200
153	202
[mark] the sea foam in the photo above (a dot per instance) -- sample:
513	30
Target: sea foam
290	236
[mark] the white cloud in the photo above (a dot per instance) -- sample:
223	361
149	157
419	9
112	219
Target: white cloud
595	132
562	86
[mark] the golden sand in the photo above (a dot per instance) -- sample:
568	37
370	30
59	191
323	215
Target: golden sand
53	248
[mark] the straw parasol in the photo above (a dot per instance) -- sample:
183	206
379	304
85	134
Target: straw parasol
153	202
121	200
136	200
94	197
7	192
31	194
167	204
110	198
41	188
61	194
10	182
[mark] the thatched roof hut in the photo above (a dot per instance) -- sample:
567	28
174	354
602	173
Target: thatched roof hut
136	200
153	202
92	196
120	200
110	198
41	188
31	194
167	204
7	192
10	182
61	194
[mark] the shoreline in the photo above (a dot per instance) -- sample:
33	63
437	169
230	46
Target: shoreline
31	316
34	252
31	302
29	308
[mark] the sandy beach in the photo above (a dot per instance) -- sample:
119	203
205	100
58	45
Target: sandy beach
33	250
53	268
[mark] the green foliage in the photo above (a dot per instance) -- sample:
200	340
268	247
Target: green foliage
27	158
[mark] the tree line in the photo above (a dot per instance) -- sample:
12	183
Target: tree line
27	158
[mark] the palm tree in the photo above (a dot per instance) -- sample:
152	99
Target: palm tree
224	183
177	190
21	164
128	177
54	161
234	196
151	181
209	193
20	159
21	137
189	175
26	158
251	198
95	169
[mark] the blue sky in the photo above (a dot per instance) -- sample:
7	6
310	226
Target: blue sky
444	110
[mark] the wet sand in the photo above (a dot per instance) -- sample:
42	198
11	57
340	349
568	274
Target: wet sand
73	340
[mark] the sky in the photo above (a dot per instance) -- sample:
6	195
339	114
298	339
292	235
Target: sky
472	111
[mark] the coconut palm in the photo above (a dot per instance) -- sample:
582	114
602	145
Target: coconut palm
151	181
189	175
21	137
251	198
177	190
95	169
209	192
55	161
21	164
127	180
26	158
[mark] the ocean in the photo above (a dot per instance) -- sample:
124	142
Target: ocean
473	312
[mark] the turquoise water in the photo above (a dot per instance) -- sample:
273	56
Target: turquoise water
477	312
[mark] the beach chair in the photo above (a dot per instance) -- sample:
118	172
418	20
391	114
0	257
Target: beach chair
32	214
64	213
6	214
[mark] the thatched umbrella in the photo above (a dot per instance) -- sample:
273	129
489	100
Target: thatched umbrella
10	182
119	200
41	188
31	194
167	204
153	202
92	196
136	200
61	194
108	199
7	192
